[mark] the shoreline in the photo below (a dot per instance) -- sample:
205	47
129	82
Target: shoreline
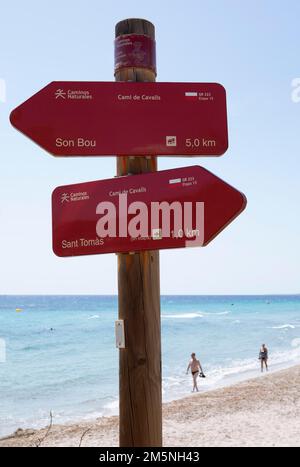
262	411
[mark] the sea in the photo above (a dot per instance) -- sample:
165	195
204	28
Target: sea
58	353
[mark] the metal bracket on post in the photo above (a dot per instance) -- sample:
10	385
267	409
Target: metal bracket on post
120	334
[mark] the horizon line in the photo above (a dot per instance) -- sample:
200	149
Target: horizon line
162	295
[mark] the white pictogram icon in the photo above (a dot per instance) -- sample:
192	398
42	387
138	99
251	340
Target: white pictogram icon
156	234
60	93
65	198
171	141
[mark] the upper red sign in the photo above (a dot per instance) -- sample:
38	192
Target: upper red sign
126	118
170	209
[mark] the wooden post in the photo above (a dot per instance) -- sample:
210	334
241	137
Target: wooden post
139	299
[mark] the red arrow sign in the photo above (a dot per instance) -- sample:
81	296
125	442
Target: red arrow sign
93	119
169	209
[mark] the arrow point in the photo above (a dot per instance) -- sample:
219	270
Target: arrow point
245	202
13	117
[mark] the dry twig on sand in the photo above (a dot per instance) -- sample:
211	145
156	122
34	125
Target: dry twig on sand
40	441
83	435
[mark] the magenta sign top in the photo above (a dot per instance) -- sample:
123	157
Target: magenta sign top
135	50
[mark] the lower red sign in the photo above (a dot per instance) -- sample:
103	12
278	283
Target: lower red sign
169	209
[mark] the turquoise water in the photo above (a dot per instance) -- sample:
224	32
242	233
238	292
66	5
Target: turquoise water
73	369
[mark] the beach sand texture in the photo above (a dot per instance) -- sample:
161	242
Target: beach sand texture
260	412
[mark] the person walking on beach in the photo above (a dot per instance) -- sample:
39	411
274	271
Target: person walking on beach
263	357
196	368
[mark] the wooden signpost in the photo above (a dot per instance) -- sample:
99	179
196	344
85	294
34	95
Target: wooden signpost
138	280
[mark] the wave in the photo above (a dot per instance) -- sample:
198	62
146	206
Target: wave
295	342
184	316
94	317
284	326
195	314
111	408
221	313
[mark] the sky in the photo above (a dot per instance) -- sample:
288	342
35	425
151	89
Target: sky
251	47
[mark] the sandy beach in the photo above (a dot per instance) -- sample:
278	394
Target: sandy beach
260	412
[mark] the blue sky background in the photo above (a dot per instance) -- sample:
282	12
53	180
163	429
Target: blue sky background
251	47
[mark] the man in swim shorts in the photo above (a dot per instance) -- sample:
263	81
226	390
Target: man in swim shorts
196	368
